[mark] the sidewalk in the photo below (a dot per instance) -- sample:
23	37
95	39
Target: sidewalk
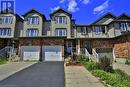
122	66
11	68
78	76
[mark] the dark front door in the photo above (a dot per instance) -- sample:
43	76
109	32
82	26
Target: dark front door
88	46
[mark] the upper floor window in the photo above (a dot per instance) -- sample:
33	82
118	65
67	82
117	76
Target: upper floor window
61	20
32	32
5	32
60	32
125	26
6	20
33	20
97	30
84	30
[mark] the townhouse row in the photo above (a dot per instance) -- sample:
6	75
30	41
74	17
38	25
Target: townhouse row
36	38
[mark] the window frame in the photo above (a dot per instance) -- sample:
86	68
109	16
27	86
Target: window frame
60	19
97	32
6	20
84	30
123	27
5	31
30	32
33	20
61	32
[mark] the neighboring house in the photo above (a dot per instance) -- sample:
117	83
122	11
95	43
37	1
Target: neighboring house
10	26
51	40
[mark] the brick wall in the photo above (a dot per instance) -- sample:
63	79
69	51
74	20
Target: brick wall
102	43
53	42
27	42
121	47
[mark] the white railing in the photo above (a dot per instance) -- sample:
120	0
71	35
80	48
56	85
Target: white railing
95	54
114	57
6	52
88	54
78	51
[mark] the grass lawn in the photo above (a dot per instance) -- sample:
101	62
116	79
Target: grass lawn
3	61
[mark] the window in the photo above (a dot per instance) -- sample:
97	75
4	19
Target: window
33	20
125	26
84	30
97	30
60	32
32	32
61	20
5	32
6	20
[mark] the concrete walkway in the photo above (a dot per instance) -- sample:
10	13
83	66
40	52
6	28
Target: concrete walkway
78	76
122	66
11	68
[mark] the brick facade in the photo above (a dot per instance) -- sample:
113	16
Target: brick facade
102	43
29	42
53	42
121	47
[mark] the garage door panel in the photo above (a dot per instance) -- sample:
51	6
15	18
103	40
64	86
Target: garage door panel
52	53
30	52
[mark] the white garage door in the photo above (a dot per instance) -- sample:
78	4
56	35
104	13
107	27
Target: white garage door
52	53
30	52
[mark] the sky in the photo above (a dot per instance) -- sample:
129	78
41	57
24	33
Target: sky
84	11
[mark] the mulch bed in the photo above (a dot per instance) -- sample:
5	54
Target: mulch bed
77	64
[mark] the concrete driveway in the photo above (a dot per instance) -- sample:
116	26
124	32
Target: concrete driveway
45	74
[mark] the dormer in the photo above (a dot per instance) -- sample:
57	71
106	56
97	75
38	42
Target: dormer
33	23
61	16
123	17
61	23
34	17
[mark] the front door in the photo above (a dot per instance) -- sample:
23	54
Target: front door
87	45
69	47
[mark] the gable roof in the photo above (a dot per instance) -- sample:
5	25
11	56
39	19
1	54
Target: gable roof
34	11
107	14
123	15
61	10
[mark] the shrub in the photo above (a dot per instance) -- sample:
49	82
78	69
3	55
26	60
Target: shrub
127	62
105	64
91	65
116	79
73	62
83	58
